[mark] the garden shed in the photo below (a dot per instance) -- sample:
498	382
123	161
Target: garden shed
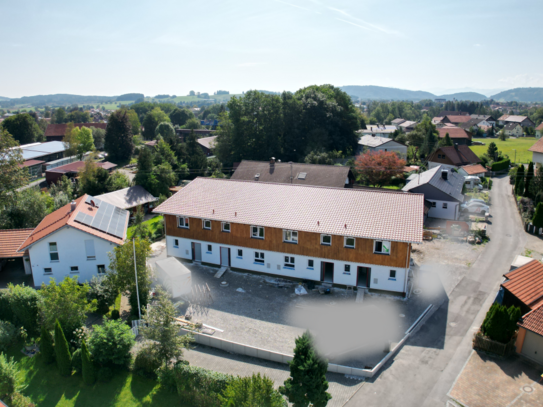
174	276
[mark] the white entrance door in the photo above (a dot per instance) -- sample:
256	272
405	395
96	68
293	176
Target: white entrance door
225	256
533	347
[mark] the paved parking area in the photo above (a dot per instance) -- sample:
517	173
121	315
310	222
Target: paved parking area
488	381
14	272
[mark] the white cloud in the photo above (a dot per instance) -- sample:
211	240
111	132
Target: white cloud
523	80
365	25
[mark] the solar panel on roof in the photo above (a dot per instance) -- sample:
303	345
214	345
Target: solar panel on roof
108	219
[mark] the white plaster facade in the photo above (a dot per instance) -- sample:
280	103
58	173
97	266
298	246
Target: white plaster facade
72	252
380	276
444	209
537	157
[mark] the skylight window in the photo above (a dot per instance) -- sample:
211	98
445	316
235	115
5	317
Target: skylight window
302	175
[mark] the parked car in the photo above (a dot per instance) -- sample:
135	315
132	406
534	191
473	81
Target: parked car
476	200
475	207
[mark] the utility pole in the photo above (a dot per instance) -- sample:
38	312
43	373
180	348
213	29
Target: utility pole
136	272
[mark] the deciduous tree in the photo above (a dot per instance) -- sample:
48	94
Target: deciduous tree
83	139
25	209
23	128
254	391
166	130
151	121
180	116
110	343
12	174
99	136
379	167
118	140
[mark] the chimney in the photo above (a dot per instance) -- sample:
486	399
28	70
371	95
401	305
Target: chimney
444	174
272	161
456	146
72	206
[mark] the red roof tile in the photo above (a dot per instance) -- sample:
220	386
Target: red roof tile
537	147
533	320
474	169
459	119
10	240
526	283
459	155
30	163
78	166
454	132
64	216
540	127
56	130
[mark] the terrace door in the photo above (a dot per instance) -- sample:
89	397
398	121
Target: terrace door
327	272
196	251
225	256
363	277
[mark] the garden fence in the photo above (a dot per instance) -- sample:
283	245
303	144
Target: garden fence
488	345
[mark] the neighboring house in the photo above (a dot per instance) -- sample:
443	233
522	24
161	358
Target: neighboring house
476	170
350	237
130	199
56	132
50	151
75	240
207	144
513	130
373	144
35	168
396	122
440	121
539	130
529	342
377	130
452	157
524	121
524	287
442	188
408	126
473	125
183	133
457	119
458	135
10	241
71	170
537	151
452	113
485	117
294	173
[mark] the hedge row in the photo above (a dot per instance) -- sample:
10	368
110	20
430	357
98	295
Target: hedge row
501	165
198	386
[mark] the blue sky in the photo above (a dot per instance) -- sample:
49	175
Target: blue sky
153	47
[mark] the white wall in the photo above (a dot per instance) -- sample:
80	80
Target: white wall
274	264
71	249
537	158
439	212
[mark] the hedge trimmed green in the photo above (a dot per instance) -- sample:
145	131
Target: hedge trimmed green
501	165
200	387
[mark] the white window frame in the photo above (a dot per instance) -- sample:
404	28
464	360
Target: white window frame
258	229
98	268
381	252
326	244
47	272
72	271
347	269
175	242
51	252
223	224
292	238
390	277
240	253
209	248
345	242
445	205
186	223
259	257
311	266
290	262
204	224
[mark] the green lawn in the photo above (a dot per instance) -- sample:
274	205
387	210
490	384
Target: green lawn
152	224
47	388
508	146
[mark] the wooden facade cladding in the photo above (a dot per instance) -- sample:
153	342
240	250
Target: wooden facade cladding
308	243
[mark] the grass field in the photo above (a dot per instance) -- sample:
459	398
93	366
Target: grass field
521	145
47	388
152	225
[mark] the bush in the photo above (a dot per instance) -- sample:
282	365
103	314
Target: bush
199	386
8	335
501	165
18	400
105	374
254	391
489	184
46	346
115	314
88	369
147	362
76	361
500	322
11	379
111	342
103	293
6	314
166	378
25	302
538	216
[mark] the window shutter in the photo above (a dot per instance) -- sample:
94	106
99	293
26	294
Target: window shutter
89	248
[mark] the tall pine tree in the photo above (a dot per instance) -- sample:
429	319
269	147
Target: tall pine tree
89	373
529	177
62	351
518	180
46	346
196	158
307	383
118	140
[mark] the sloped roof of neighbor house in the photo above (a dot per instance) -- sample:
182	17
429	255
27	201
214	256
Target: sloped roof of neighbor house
512	118
57	130
303	174
537	147
10	240
65	216
452	186
459	155
459	118
78	166
540	127
207	142
533	321
526	283
511	126
128	197
473	169
360	213
375	141
454	132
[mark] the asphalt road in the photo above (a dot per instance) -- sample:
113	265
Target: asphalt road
424	370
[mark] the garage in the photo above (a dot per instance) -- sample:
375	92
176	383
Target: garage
533	347
530	335
14	266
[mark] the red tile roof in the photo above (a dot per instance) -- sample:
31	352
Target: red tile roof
459	119
537	147
454	132
533	321
78	166
56	130
474	169
359	213
10	240
459	155
526	283
540	127
63	217
30	163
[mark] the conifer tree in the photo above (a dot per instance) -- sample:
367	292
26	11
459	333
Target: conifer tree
529	177
520	176
307	383
62	351
89	373
538	216
46	346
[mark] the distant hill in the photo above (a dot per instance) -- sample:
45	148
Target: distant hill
3	98
520	95
472	96
383	93
59	100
